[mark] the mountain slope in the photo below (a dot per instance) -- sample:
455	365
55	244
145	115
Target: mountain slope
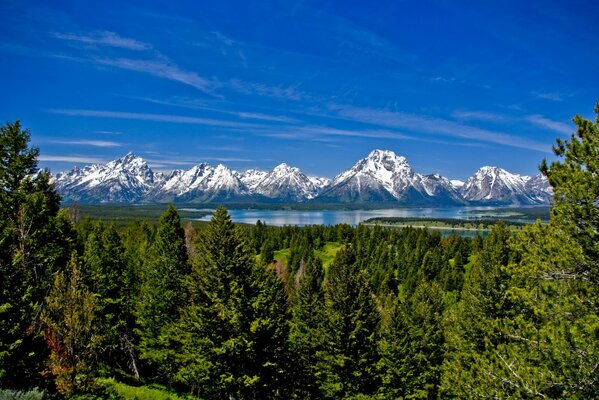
286	183
385	177
127	179
496	186
381	177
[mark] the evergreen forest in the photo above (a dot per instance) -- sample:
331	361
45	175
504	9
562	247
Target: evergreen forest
166	310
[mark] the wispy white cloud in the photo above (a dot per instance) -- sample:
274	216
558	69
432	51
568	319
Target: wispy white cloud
266	117
84	142
71	159
289	92
227	159
104	38
153	117
160	68
223	38
222	148
481	116
109	132
555	126
195	104
326	134
553	96
434	125
364	42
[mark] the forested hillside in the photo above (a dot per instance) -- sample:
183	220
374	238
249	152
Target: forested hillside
162	310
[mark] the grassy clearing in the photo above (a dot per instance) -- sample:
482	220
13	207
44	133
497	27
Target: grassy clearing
326	254
122	391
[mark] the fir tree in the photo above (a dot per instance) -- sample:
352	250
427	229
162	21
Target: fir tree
162	293
232	334
412	345
69	331
346	366
306	335
35	242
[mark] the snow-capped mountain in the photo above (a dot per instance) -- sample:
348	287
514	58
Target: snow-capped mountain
251	178
385	177
202	183
456	183
320	182
127	179
496	186
286	183
381	177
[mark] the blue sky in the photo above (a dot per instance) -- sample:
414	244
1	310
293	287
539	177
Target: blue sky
450	85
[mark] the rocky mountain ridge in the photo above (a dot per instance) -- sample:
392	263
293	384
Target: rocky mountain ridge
381	177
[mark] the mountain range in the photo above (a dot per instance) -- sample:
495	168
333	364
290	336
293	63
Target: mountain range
381	177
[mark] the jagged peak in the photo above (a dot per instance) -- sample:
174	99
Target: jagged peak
489	169
129	159
378	154
284	167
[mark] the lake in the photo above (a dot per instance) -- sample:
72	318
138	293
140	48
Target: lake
354	217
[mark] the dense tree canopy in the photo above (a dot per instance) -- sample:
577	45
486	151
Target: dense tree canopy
220	310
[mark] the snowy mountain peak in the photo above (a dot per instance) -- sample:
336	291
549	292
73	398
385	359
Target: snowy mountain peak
382	176
289	183
494	185
386	157
285	168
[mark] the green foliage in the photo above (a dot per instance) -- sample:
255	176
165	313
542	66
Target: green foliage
70	332
32	394
575	181
412	347
471	325
162	292
113	281
115	390
306	336
231	336
346	364
34	243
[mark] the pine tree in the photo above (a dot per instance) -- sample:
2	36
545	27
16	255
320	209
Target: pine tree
471	333
549	346
111	278
306	336
34	243
69	331
162	293
346	366
232	334
412	345
575	182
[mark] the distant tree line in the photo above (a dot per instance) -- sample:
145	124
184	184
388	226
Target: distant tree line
213	312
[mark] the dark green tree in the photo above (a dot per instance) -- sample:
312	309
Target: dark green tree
35	242
346	366
111	278
412	345
471	333
162	293
232	333
575	182
306	336
70	334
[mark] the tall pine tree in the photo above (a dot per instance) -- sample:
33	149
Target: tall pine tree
306	336
70	331
35	242
162	293
232	334
346	366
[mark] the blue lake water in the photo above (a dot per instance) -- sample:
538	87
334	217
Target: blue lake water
354	217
